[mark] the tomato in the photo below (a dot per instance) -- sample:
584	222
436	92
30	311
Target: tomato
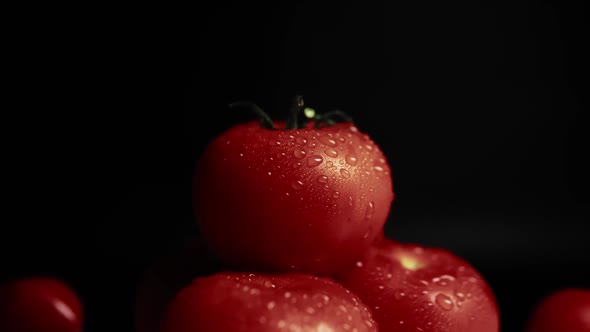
244	302
415	288
165	277
566	309
306	200
39	305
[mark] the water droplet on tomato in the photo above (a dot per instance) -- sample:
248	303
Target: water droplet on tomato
322	179
297	184
351	159
336	194
359	264
398	294
300	140
331	153
297	165
314	161
326	140
345	173
370	210
329	164
299	153
350	201
444	301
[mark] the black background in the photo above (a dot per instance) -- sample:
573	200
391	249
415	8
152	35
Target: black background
480	107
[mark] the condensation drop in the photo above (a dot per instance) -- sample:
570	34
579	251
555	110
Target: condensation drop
378	168
299	153
370	210
350	201
297	165
331	153
351	159
297	184
328	141
329	164
336	194
314	161
359	264
345	174
398	294
300	140
323	179
444	301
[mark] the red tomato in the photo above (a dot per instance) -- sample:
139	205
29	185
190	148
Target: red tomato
165	277
565	309
306	200
415	288
256	302
39	305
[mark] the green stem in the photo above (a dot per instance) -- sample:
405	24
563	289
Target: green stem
265	120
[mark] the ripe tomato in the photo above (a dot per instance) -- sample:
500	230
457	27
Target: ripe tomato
39	305
244	302
566	309
307	200
165	277
415	288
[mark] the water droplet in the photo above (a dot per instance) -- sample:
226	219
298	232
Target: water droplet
443	280
287	294
351	159
378	168
281	324
297	184
350	201
336	194
315	160
322	179
241	154
345	174
370	210
329	164
269	173
297	165
299	153
341	139
398	294
328	141
444	301
359	264
312	144
300	140
368	233
331	153
310	310
388	276
269	284
401	322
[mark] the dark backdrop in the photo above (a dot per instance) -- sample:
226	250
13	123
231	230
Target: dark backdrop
480	107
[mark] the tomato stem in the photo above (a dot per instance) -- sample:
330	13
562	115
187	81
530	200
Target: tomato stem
293	119
331	118
265	120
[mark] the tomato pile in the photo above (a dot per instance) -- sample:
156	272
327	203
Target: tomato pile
291	219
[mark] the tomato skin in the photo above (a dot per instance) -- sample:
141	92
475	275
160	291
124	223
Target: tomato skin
244	302
305	200
415	288
165	277
566	309
39	305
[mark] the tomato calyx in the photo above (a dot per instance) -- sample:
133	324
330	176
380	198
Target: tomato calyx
294	121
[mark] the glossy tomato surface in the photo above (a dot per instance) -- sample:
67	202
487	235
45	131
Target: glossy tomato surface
414	288
245	302
565	309
39	305
165	277
303	200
